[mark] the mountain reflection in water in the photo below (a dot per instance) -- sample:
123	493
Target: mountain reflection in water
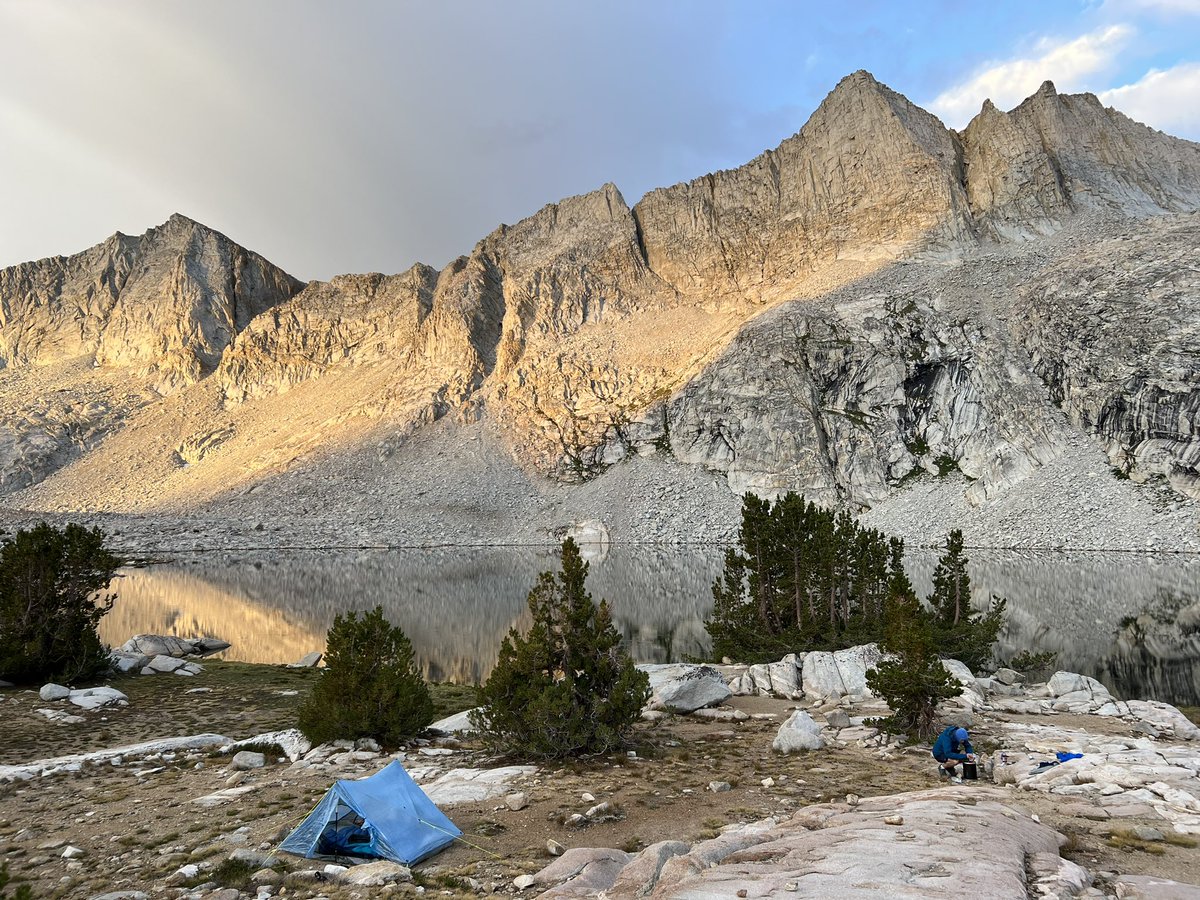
456	604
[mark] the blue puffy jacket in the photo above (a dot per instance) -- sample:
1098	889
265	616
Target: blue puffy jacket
947	748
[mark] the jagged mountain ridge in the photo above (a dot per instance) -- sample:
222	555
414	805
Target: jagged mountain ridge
591	330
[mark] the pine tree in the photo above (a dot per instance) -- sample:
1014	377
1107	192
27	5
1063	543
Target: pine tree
961	632
566	687
802	577
370	686
914	681
50	604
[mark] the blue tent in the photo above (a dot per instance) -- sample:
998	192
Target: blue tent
386	816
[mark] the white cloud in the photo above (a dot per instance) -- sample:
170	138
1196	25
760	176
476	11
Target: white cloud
1163	7
1066	63
1166	99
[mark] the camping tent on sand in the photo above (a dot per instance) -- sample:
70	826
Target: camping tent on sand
386	816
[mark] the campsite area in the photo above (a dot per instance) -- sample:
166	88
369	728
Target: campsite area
137	824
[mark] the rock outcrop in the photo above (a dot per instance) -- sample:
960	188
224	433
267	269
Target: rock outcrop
1030	169
168	301
929	844
876	297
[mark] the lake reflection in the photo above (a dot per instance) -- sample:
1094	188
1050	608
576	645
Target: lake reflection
456	604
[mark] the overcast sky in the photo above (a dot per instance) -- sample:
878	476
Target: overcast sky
364	136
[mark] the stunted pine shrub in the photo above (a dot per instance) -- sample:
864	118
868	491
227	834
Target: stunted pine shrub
566	687
914	680
50	605
23	892
370	686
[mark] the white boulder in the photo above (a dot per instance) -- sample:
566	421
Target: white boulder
683	687
54	691
820	676
799	732
291	741
760	675
159	645
247	759
786	678
376	874
94	698
125	662
459	723
853	663
1061	683
474	785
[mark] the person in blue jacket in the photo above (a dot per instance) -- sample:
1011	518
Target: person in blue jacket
952	747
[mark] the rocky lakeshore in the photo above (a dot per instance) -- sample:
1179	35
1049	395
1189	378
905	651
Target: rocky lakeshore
706	803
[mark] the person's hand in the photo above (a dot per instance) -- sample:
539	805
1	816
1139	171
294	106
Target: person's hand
970	757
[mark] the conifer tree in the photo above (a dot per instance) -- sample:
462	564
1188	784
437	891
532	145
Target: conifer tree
50	605
370	686
961	632
566	687
802	577
914	680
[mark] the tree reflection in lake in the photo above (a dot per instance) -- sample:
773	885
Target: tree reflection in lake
457	603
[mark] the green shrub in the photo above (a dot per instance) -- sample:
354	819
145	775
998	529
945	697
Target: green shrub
914	681
23	892
49	604
1032	664
566	688
370	686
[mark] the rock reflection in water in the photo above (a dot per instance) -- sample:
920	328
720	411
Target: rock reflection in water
457	604
1075	603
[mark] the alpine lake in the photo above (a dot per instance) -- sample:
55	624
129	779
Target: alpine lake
1132	620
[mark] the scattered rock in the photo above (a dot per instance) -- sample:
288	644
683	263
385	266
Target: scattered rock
51	692
719	787
893	820
94	698
254	858
799	732
518	801
721	714
307	661
376	874
247	759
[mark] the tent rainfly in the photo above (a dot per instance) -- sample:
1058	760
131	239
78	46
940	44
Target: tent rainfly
386	816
